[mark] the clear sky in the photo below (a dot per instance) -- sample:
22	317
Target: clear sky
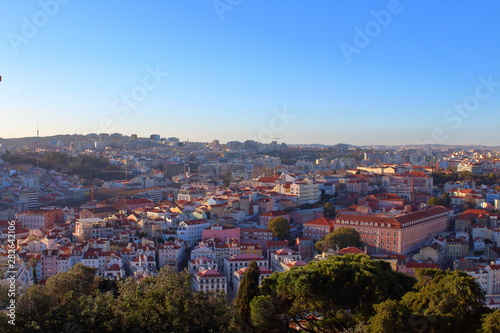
360	72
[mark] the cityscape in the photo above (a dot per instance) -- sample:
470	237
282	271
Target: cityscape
237	166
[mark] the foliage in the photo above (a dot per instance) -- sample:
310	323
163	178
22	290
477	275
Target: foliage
249	288
491	322
279	226
350	293
226	179
443	200
84	166
469	202
391	316
451	301
433	201
166	303
71	301
440	178
341	237
329	210
326	296
79	280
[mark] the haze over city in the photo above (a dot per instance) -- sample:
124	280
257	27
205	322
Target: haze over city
378	72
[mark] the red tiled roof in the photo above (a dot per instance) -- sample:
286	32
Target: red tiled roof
262	269
297	263
322	221
351	250
275	213
210	273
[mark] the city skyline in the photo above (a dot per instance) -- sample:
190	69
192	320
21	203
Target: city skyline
377	73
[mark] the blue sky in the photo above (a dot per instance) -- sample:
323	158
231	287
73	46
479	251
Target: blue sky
234	70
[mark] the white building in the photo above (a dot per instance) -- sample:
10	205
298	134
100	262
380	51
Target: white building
171	254
191	230
239	261
210	280
488	278
284	259
238	275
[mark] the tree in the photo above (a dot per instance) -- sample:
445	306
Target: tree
226	179
166	303
469	202
341	237
491	322
390	317
80	280
329	210
50	307
249	288
433	201
4	292
327	296
445	199
279	226
451	301
32	264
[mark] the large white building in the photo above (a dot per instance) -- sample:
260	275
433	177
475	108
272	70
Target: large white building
191	231
92	228
307	191
239	261
171	254
205	276
488	277
210	280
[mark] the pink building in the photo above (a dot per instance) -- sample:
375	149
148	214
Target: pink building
220	232
382	201
49	263
318	228
396	233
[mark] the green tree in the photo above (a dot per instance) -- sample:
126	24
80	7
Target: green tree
390	317
279	226
445	199
4	295
80	280
327	296
433	201
166	303
329	210
452	301
32	264
491	322
49	307
341	237
469	202
226	179
249	288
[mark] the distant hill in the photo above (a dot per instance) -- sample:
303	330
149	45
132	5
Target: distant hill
42	141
